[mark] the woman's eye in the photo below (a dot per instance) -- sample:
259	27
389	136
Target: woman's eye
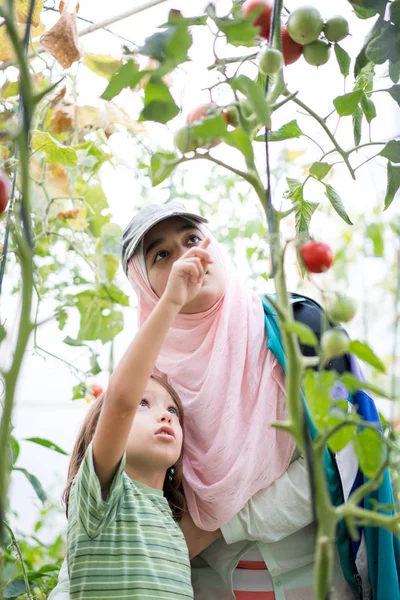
194	239
143	402
173	410
160	255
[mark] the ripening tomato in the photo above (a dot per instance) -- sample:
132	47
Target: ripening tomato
316	256
203	111
96	390
198	114
263	20
4	192
291	50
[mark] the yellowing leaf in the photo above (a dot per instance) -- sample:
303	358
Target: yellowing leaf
293	154
61	41
55	152
118	116
61	120
102	64
22	8
4	152
88	116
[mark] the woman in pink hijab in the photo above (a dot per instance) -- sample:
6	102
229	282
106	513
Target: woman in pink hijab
239	482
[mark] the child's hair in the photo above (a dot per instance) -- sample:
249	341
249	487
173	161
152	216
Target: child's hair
173	487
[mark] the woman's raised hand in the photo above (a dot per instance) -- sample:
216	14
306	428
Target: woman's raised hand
187	275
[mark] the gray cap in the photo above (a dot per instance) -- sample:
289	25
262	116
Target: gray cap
146	219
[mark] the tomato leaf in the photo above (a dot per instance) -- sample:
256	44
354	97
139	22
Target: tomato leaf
375	232
357	125
394	71
240	140
370	451
102	64
238	31
368	108
303	332
346	105
111	235
319	170
55	152
170	45
392	151
286	132
326	412
365	353
256	97
159	104
14	589
46	444
210	127
78	391
128	76
161	166
343	60
394	91
303	209
393	184
336	203
35	483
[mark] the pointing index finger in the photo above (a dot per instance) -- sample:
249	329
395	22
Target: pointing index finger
205	243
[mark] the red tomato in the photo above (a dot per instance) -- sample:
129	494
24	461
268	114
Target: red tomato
202	111
97	390
316	256
291	50
4	192
264	18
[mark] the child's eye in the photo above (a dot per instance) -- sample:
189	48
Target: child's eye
193	239
173	410
160	255
143	402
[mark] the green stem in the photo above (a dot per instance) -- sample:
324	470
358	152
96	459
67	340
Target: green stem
25	257
328	132
21	560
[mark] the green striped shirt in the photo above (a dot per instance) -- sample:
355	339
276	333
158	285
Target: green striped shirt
128	546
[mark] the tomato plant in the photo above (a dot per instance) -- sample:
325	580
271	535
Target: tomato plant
270	61
71	259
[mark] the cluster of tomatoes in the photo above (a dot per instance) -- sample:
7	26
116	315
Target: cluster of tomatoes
302	35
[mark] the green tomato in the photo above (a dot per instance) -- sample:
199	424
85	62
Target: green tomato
334	342
317	53
336	28
342	310
271	61
395	13
233	115
305	24
184	140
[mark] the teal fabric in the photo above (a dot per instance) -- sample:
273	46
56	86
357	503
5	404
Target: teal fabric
335	486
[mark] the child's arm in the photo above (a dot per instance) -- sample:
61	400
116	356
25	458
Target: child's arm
130	378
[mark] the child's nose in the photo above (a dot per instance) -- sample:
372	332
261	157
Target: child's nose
165	417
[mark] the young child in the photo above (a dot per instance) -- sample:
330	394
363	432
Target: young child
123	537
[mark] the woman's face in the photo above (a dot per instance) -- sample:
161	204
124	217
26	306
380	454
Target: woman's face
163	245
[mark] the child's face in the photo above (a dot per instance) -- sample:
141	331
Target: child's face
165	243
155	439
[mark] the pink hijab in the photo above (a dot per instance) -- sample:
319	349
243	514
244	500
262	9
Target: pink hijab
232	389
